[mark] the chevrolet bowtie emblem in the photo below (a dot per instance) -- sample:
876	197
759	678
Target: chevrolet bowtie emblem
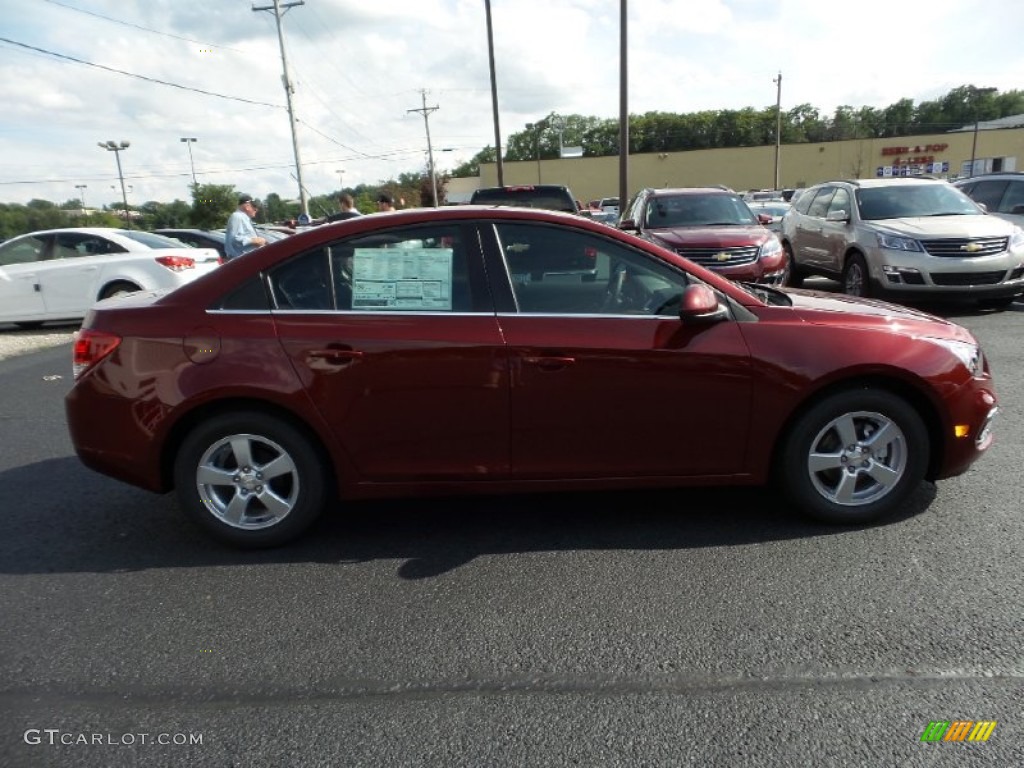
721	256
970	247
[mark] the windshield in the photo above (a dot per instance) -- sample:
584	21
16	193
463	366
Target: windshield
697	211
909	200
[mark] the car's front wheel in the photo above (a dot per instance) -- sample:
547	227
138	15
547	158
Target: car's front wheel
855	456
792	276
856	281
250	479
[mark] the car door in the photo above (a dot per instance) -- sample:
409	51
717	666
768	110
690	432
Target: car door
21	297
70	276
835	230
813	245
606	381
395	338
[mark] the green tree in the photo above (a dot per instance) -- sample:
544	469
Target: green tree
212	204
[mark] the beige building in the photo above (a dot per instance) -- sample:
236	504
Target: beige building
945	155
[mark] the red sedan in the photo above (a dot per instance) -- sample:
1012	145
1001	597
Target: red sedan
491	350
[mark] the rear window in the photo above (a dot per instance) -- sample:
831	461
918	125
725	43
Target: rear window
549	198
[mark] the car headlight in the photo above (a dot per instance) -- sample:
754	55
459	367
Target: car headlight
968	353
1017	238
771	248
897	243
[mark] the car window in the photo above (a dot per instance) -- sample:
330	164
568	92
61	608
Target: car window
68	245
149	239
989	193
819	205
803	201
840	202
558	271
22	250
411	269
696	210
1014	198
912	200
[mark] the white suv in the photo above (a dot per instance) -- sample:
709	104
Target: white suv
907	237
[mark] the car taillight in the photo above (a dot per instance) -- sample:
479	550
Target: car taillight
90	347
176	263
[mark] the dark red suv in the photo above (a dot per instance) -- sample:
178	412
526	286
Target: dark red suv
712	227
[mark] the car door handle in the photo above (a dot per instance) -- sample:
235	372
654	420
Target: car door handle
550	363
336	355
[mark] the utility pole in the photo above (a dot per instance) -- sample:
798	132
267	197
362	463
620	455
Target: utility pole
623	106
778	126
494	95
425	111
288	90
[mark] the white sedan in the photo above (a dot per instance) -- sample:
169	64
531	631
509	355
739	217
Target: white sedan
58	274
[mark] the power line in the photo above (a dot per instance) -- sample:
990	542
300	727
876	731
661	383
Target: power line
139	26
138	77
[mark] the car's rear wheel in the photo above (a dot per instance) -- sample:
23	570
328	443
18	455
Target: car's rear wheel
855	456
118	289
791	276
856	281
250	479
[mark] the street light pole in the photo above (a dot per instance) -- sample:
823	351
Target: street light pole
341	183
778	126
81	191
189	141
113	146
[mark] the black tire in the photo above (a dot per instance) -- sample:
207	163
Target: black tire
856	280
30	326
830	468
223	485
792	277
1001	303
118	289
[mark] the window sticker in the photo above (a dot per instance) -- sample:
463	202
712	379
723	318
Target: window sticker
402	278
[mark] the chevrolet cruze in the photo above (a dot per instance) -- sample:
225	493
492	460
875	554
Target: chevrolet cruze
491	350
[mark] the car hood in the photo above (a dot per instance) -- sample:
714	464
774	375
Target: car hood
932	227
711	237
837	309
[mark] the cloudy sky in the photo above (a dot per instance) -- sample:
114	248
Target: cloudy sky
77	72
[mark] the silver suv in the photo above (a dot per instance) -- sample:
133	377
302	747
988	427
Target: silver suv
907	237
1002	194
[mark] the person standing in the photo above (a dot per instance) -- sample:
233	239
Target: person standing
240	236
347	208
385	203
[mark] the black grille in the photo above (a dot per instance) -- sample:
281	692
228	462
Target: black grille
967	278
966	246
720	257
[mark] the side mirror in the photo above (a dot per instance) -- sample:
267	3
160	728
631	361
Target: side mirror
837	216
765	218
1017	210
628	224
984	208
700	304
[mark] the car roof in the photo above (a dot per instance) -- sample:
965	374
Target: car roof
886	182
675	191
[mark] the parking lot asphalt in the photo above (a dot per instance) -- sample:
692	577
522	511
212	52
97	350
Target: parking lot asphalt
666	628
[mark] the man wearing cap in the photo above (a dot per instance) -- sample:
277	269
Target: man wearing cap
240	236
